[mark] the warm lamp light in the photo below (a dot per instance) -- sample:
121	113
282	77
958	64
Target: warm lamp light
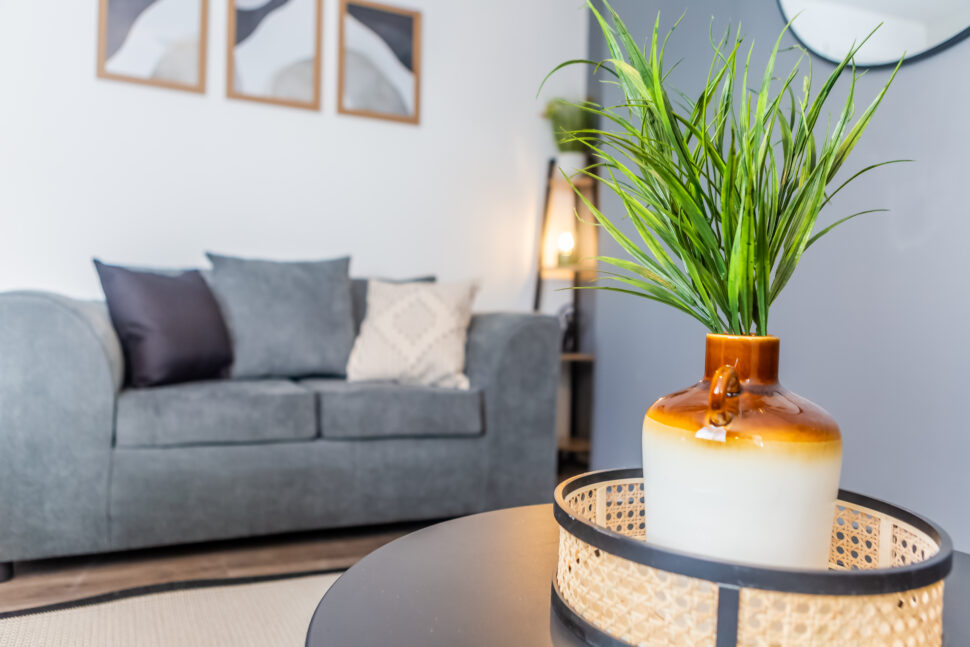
566	243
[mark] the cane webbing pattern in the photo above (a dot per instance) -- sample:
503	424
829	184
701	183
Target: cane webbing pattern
582	503
636	603
910	619
624	513
910	546
855	539
642	605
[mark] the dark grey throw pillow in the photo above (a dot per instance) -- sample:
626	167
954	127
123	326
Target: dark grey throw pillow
169	325
286	319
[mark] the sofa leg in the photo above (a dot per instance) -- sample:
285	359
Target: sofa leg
6	571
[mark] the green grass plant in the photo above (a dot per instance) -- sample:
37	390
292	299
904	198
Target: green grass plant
724	191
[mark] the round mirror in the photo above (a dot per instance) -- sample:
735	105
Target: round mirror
914	28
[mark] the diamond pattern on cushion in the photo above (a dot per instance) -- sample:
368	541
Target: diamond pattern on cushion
414	333
413	319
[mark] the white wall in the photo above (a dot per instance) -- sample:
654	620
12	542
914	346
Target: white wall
151	176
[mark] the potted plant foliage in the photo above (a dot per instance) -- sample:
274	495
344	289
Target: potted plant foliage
724	193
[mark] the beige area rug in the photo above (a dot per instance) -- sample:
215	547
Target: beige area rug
272	613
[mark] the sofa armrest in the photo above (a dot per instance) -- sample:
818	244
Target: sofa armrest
515	360
61	371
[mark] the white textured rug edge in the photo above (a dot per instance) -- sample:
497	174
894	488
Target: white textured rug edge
273	612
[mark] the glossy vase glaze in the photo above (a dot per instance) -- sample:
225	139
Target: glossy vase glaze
737	467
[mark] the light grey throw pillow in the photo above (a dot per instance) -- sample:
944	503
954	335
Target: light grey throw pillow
414	333
286	319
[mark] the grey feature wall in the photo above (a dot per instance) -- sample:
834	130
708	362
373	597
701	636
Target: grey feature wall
874	325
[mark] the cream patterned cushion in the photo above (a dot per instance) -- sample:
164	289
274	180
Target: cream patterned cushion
414	333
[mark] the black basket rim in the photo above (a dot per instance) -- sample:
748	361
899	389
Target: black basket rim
854	582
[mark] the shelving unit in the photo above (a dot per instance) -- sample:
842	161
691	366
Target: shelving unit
576	387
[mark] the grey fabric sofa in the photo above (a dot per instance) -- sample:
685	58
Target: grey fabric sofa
87	466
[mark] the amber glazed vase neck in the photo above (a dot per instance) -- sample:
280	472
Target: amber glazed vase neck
754	358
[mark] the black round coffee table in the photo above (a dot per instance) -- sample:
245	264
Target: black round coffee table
485	580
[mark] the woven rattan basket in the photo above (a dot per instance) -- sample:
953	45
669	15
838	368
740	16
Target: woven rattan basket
884	586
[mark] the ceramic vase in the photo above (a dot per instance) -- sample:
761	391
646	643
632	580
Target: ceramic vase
738	468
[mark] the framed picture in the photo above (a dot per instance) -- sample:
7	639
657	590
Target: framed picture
380	61
155	42
274	52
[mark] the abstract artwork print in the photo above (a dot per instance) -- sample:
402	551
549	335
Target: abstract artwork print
274	52
380	59
156	42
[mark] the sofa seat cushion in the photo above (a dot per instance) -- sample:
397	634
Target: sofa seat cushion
384	410
215	412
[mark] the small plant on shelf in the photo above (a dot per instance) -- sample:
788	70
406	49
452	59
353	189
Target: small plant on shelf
566	119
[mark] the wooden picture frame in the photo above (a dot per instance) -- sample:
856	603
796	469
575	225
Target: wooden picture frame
231	66
103	59
414	116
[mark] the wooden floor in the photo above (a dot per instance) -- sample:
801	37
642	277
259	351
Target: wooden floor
54	581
